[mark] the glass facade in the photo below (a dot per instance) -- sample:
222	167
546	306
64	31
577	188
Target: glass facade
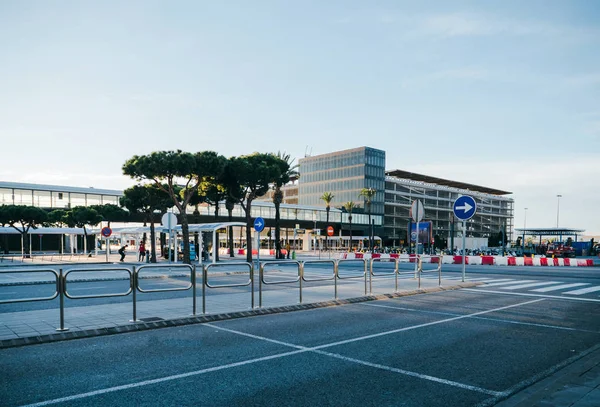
494	212
54	197
344	174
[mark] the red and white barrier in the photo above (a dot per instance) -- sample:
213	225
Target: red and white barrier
477	260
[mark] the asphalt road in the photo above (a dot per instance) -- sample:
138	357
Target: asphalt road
452	348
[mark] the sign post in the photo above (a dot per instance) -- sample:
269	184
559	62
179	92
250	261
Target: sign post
169	220
464	208
106	232
417	210
259	225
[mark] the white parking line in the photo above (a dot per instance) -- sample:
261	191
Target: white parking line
584	290
519	286
558	287
298	349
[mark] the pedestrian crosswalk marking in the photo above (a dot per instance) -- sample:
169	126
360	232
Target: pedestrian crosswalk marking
519	286
558	287
584	290
510	282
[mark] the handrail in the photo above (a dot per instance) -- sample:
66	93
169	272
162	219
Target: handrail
44	270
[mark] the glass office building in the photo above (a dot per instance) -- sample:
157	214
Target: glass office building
344	174
494	209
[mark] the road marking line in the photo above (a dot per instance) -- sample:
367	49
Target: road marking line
558	287
558	297
510	282
413	374
509	321
362	362
584	290
161	379
86	288
519	286
408	328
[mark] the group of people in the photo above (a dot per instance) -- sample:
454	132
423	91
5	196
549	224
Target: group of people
142	252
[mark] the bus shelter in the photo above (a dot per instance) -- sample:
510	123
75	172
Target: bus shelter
545	232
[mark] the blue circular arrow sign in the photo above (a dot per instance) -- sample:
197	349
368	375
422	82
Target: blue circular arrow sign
464	207
259	224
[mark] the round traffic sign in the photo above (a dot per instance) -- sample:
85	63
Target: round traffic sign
106	231
329	230
169	220
259	224
417	210
464	207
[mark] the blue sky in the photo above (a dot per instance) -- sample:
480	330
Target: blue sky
504	94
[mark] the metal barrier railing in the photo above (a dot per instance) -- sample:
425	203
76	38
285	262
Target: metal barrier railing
364	265
206	283
310	280
136	285
384	274
261	278
36	270
438	268
65	293
342	269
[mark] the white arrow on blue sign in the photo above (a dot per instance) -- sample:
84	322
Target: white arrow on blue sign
464	207
259	224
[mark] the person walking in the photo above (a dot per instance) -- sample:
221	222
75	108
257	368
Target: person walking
122	252
287	249
142	251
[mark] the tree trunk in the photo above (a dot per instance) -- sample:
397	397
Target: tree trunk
277	233
26	248
230	214
186	237
152	240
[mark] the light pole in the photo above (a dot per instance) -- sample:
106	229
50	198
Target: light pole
557	208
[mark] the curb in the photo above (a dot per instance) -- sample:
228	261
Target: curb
199	319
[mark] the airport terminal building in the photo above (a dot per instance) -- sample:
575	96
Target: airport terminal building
344	174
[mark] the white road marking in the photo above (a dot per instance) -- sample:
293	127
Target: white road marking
299	349
558	287
160	380
519	286
510	282
408	328
558	297
584	290
508	321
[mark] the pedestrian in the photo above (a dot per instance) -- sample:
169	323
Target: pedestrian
287	249
122	251
142	251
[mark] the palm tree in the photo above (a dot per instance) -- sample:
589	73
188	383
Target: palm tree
327	197
290	174
349	206
368	194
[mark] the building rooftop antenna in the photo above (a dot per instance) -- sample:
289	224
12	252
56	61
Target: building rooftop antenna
309	153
